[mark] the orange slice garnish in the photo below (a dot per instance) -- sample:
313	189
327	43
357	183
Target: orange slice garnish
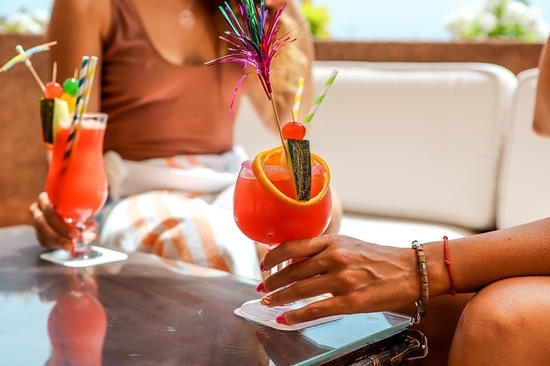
275	157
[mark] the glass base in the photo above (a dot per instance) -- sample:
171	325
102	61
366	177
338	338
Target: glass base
63	255
97	255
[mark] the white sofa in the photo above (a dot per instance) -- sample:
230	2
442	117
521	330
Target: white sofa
422	150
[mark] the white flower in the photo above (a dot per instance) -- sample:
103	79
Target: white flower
487	22
515	13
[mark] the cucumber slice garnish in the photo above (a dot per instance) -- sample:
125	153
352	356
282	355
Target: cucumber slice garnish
46	117
300	159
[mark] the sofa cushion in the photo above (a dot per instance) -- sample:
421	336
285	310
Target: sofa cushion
397	232
525	178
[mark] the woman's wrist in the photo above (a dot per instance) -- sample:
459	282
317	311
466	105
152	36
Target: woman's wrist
440	283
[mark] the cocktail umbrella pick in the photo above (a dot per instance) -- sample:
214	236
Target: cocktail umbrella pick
253	42
24	56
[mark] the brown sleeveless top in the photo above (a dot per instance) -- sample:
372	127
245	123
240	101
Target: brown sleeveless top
158	109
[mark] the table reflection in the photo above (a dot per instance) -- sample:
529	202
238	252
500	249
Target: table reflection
77	324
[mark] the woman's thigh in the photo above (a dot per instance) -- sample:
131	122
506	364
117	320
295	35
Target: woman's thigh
507	322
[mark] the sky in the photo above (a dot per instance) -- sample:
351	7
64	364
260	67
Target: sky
363	19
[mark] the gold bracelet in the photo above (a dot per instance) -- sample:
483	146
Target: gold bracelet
421	304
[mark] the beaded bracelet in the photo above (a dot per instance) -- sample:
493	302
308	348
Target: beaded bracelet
422	303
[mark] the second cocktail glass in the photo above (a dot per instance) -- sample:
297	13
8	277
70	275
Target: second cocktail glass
267	219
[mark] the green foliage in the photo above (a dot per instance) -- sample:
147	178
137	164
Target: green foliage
318	19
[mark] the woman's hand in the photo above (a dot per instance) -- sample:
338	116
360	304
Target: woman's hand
362	277
51	230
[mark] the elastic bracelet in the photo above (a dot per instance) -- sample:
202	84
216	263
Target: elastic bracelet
422	303
452	289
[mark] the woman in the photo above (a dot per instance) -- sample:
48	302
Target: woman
508	270
163	103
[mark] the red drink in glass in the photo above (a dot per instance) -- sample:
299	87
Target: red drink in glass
265	219
77	185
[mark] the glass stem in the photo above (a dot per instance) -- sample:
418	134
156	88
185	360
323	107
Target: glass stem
80	246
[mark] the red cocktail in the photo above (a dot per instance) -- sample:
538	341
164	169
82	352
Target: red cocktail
267	211
76	183
266	219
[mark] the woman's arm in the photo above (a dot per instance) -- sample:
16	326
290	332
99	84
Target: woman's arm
479	260
79	27
295	61
365	277
541	122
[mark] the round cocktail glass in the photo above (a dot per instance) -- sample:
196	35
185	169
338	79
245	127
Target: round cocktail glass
76	182
264	218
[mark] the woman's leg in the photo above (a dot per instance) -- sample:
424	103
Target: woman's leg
506	323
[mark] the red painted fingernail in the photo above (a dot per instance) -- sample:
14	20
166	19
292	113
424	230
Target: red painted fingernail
262	266
261	287
281	319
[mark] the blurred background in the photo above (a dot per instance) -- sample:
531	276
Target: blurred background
387	20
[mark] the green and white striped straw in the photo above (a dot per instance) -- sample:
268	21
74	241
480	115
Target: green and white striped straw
321	96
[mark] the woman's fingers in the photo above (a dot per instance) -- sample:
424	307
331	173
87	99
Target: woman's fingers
319	309
300	248
51	230
54	220
328	254
307	288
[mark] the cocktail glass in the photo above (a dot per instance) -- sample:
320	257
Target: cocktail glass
76	182
266	219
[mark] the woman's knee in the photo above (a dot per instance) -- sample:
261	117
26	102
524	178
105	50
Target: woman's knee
505	303
505	318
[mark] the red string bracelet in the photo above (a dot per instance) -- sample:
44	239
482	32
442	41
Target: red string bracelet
452	290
